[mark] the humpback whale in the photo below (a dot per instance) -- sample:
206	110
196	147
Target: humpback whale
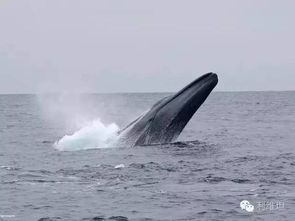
167	118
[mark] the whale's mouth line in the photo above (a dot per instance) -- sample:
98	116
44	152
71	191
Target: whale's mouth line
205	78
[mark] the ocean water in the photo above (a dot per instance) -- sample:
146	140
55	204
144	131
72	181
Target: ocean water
58	159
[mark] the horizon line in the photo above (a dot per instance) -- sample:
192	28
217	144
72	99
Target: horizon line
143	92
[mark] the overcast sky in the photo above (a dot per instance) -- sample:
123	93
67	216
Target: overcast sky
145	45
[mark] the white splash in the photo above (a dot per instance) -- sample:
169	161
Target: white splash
94	135
119	166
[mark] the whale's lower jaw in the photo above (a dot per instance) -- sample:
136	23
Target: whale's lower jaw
167	118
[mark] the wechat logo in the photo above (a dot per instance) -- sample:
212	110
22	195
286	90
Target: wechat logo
246	205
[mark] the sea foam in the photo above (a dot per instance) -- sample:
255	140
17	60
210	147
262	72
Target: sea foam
93	135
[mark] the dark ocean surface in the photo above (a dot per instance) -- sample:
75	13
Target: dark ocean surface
238	146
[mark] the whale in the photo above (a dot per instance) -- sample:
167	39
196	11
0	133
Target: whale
167	118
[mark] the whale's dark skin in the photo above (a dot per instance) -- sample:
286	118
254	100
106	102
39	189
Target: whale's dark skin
167	118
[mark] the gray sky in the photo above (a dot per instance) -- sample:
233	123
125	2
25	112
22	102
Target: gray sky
151	45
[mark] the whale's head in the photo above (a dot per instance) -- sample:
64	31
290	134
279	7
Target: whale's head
166	119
